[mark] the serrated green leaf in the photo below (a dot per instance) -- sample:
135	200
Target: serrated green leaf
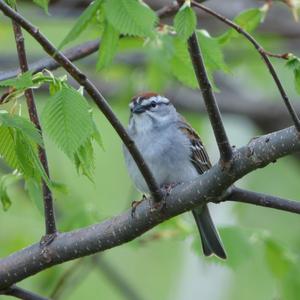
185	22
130	17
212	52
43	4
28	160
248	20
67	121
85	160
22	124
108	46
7	147
23	81
5	181
82	22
181	65
11	3
34	190
294	64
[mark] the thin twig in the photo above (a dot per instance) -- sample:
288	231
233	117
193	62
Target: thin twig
47	195
94	93
116	279
209	97
263	54
64	279
244	196
20	293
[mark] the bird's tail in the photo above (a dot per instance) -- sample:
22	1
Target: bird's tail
211	241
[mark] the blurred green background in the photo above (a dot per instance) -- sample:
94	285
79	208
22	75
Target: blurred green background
166	263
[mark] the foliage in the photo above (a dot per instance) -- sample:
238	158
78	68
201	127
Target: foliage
131	27
294	64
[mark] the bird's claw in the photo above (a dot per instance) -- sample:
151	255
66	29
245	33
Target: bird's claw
135	204
47	239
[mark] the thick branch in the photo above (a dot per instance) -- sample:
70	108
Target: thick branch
264	56
244	196
47	195
20	293
97	97
123	228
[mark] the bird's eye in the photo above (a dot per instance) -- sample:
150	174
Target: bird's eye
153	104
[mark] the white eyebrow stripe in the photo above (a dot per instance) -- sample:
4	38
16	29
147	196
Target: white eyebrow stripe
157	99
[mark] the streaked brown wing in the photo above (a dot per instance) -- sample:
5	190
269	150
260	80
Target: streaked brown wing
199	156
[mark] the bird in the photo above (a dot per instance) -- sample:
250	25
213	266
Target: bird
173	152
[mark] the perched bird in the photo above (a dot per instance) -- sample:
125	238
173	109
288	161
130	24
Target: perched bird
174	153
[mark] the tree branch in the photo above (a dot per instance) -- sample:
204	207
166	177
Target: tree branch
209	97
50	224
123	228
263	54
244	196
73	54
20	293
96	96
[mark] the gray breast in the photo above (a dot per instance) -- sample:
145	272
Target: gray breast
166	152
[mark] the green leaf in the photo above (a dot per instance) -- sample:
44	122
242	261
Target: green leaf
34	189
43	4
277	259
108	46
22	124
181	65
67	121
23	81
212	52
248	20
131	17
7	147
85	161
294	64
185	22
28	160
82	22
5	181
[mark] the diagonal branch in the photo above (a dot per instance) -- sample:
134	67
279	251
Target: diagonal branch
20	293
244	196
73	54
123	228
94	93
47	195
209	97
264	56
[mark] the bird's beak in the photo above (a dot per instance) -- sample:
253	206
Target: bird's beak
138	109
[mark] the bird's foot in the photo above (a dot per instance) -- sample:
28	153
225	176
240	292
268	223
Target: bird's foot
47	239
135	204
162	205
